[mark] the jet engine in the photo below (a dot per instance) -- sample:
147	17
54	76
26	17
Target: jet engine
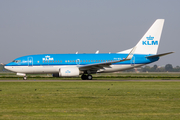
67	72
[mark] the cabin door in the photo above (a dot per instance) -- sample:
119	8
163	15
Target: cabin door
133	61
78	61
30	61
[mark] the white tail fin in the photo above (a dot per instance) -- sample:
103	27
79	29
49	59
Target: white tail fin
150	41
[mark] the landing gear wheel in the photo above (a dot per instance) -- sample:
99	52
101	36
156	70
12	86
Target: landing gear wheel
24	78
84	77
89	77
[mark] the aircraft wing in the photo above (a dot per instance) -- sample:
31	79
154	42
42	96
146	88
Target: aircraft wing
98	66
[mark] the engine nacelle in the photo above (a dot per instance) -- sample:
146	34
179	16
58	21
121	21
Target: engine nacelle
69	72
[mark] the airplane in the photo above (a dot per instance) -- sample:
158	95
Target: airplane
73	65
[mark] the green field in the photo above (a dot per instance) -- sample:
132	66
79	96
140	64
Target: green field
104	76
89	100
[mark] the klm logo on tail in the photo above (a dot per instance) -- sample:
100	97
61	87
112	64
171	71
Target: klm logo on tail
150	41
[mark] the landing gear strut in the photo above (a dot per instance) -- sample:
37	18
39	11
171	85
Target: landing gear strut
86	77
24	78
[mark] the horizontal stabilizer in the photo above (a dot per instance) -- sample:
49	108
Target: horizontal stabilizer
159	55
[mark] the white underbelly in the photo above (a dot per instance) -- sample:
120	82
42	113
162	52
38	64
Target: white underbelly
34	69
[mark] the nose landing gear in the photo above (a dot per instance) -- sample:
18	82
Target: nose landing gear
24	78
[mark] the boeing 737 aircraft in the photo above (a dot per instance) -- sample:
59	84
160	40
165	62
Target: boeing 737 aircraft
73	65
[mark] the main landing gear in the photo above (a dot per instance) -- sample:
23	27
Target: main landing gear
86	77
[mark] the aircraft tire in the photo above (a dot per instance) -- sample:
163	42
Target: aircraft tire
84	77
89	77
24	78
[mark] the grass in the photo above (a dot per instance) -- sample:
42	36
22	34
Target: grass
89	100
122	75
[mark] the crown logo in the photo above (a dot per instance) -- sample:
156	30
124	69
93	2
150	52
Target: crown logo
150	38
68	71
47	56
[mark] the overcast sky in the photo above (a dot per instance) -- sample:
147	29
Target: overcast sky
67	26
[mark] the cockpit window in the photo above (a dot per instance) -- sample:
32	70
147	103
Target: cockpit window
16	61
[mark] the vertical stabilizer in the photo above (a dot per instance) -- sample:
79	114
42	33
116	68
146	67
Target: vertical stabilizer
150	41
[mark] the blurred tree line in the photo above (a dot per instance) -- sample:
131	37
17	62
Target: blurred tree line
166	68
155	68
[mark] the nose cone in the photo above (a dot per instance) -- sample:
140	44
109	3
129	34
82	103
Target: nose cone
8	66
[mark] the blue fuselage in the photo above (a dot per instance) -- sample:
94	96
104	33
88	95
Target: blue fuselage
78	59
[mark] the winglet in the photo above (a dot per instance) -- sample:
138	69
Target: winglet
97	52
129	57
